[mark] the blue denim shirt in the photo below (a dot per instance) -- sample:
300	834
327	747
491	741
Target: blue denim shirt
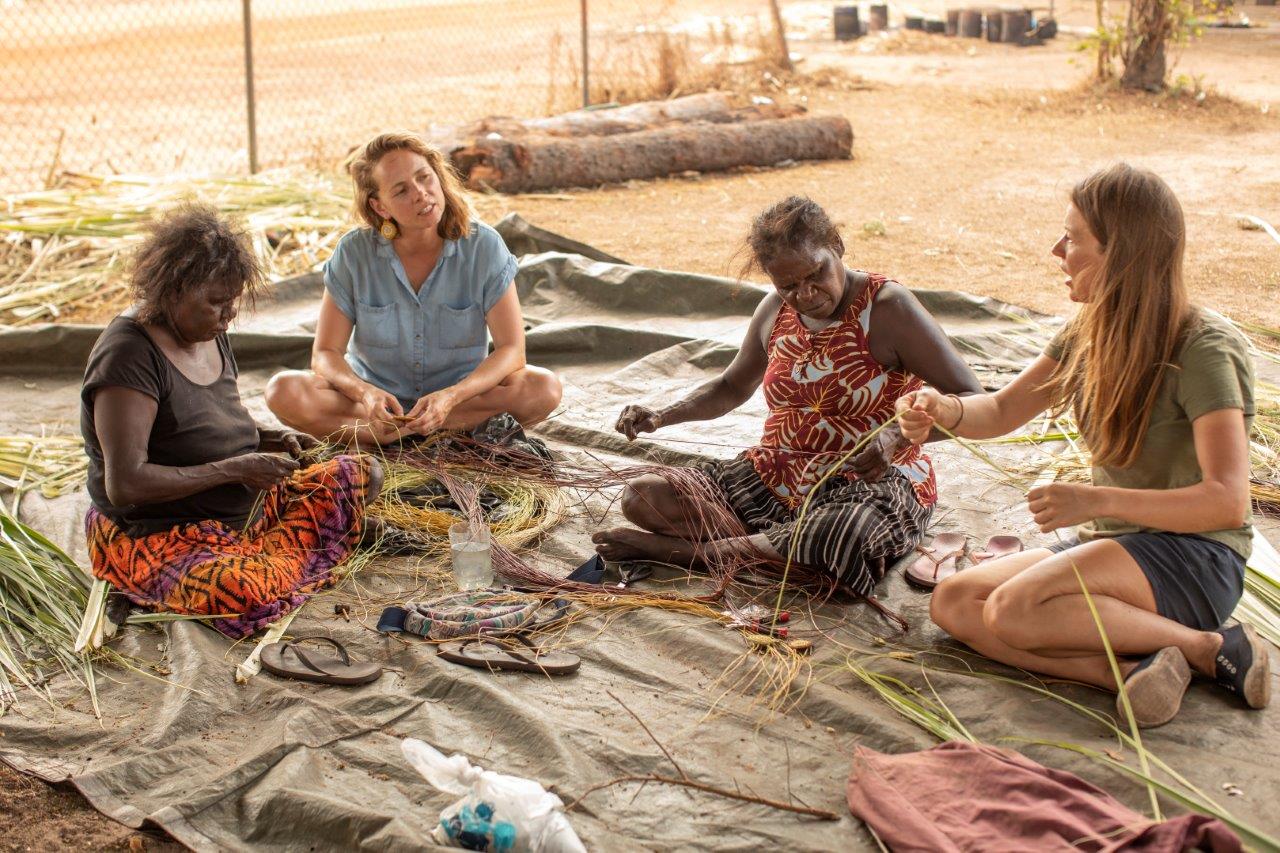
414	343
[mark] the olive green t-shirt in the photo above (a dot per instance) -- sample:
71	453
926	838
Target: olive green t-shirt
1214	371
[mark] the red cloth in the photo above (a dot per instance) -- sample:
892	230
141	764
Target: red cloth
824	390
963	796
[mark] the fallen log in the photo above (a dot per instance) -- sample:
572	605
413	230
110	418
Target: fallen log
531	164
646	115
709	106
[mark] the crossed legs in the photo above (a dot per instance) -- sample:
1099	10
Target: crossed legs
1027	610
664	532
306	402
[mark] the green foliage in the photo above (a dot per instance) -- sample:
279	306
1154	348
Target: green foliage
1176	23
1188	86
43	594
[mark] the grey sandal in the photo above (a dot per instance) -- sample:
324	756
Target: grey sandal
289	660
495	653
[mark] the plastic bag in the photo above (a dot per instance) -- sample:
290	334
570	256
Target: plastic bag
496	813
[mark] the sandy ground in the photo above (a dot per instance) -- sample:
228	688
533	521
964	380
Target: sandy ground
964	153
35	816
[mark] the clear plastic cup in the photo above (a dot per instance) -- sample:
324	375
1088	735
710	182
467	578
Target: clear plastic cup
472	563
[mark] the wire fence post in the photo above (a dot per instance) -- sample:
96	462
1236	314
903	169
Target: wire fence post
586	86
248	85
127	116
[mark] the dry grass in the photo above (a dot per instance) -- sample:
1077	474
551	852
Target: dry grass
654	63
50	464
528	509
64	252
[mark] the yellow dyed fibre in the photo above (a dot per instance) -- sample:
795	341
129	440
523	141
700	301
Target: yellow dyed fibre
529	509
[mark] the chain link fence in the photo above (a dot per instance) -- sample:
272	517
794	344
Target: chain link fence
223	86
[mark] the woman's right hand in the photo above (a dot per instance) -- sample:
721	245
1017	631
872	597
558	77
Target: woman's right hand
380	407
261	471
637	419
919	411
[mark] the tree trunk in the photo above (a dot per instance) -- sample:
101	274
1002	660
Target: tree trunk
646	115
540	163
1149	29
784	52
1103	71
711	106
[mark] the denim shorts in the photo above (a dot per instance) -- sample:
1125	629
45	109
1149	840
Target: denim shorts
1196	581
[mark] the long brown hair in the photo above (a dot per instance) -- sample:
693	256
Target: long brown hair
1121	345
455	222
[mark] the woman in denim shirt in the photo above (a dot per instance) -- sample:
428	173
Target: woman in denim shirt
401	345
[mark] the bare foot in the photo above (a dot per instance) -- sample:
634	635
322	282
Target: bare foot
377	476
627	543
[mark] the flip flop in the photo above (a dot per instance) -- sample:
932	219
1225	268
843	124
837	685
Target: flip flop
494	654
548	615
937	560
288	660
997	546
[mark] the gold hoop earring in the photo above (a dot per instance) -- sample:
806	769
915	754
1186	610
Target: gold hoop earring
389	230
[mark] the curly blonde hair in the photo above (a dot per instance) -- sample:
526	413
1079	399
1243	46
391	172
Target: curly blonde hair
455	222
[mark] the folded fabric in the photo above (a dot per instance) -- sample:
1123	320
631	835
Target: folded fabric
963	796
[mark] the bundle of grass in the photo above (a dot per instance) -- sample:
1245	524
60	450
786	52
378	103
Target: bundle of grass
50	464
1260	604
416	502
43	596
64	250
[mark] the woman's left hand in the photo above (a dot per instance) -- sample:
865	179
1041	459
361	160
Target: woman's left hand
287	441
874	460
431	411
1063	505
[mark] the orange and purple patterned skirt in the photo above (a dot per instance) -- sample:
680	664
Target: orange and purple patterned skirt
309	524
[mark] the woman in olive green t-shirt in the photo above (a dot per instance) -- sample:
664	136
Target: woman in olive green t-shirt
1163	393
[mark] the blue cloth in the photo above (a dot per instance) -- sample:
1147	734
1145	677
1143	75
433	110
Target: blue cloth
414	343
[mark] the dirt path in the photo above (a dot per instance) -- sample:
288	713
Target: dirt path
34	816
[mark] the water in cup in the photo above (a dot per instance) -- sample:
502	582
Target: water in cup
472	567
469	546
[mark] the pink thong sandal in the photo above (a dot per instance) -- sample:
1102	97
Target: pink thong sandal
937	560
997	547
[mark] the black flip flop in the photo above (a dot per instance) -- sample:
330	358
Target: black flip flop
493	654
287	660
548	615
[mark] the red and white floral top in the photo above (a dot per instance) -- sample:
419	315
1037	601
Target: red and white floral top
824	390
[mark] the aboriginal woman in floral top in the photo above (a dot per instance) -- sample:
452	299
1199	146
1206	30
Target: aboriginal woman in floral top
834	349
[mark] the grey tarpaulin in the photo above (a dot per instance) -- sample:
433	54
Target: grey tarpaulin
284	765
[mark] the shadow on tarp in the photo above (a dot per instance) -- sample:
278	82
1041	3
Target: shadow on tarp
281	765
